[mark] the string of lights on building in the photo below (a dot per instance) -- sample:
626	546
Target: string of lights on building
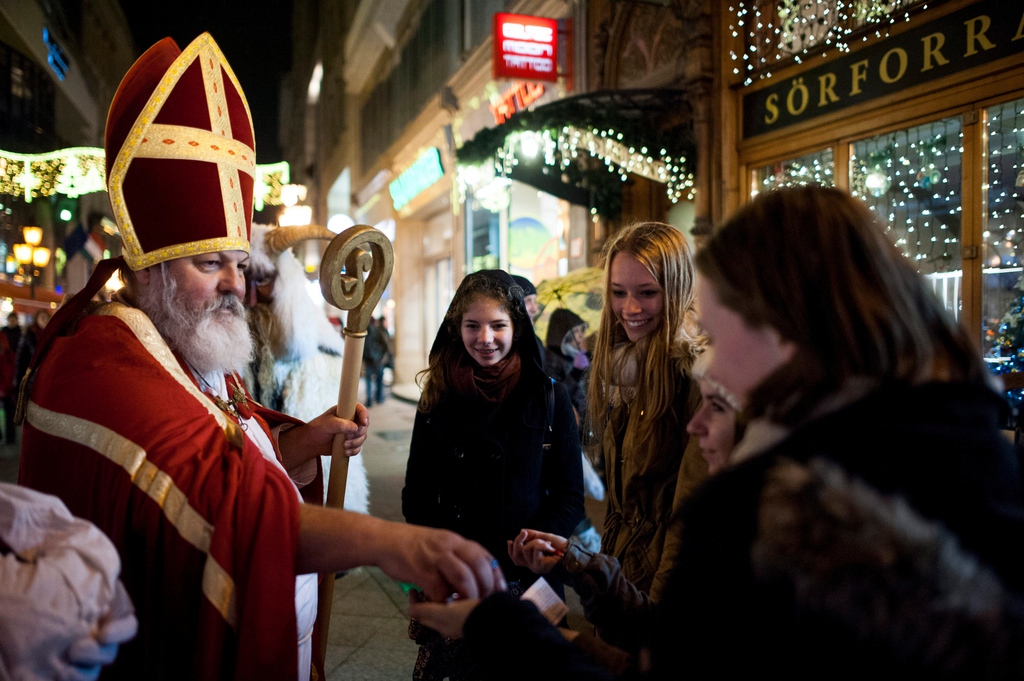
776	33
76	171
564	147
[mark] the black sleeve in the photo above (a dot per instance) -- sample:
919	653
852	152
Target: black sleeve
562	472
422	482
511	640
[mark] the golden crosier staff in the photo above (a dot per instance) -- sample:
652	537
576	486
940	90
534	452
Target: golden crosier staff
357	252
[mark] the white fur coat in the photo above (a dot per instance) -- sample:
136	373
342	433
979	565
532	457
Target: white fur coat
298	358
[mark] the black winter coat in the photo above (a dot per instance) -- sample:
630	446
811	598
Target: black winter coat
487	479
793	600
487	472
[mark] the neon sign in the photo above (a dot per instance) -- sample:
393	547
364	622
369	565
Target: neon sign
55	56
425	171
513	100
525	47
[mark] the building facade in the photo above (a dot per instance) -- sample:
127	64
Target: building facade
397	112
917	108
60	64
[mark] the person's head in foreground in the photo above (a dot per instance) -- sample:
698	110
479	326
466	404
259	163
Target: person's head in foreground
803	295
486	331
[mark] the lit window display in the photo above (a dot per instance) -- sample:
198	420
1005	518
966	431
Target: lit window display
912	179
1003	239
483	234
814	168
525	232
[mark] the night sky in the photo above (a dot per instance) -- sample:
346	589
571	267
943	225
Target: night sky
255	36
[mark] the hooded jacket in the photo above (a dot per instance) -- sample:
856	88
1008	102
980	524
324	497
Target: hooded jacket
562	322
558	365
488	472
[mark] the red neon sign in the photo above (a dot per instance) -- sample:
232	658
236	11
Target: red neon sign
516	98
525	47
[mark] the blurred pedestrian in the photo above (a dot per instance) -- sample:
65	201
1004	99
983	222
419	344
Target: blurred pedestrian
9	378
376	354
532	311
12	330
529	296
565	356
29	341
494	447
567	361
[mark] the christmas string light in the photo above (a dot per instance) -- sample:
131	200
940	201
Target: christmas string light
76	171
904	177
1002	248
562	148
816	168
72	172
792	30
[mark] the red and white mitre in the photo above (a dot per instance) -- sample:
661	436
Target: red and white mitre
180	152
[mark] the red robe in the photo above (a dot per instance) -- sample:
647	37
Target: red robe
206	528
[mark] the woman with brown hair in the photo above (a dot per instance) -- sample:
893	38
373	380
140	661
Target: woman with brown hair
494	447
872	457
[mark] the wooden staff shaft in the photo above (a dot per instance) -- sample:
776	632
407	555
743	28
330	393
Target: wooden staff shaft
358	251
348	390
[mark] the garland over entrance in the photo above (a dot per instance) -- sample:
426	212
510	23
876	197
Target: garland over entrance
589	142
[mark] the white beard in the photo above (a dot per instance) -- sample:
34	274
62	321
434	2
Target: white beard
213	337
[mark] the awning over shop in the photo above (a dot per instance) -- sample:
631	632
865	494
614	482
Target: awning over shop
582	148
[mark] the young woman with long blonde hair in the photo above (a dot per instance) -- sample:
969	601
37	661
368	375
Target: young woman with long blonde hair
640	396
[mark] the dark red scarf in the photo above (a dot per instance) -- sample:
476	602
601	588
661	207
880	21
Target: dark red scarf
492	384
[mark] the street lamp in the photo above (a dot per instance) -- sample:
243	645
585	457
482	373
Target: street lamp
31	253
33	235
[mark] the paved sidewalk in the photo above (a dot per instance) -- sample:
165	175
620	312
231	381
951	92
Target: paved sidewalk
367	639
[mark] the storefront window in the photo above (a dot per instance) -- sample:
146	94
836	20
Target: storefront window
516	227
538	226
483	234
811	168
911	179
1002	250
